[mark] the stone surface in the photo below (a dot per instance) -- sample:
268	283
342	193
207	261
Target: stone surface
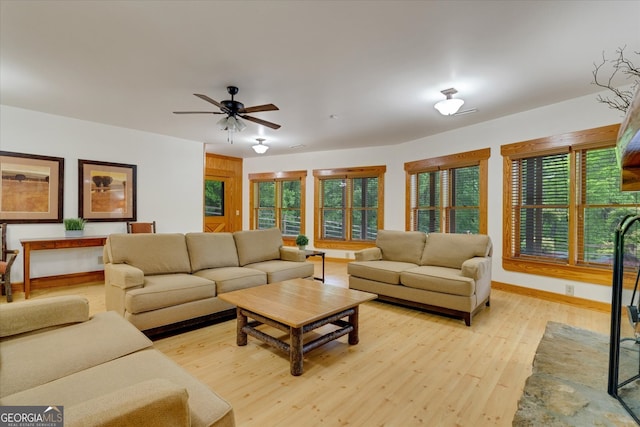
568	386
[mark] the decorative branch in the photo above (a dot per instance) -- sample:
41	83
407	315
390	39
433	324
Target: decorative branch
623	66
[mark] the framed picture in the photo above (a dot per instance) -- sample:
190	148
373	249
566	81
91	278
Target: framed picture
31	189
106	191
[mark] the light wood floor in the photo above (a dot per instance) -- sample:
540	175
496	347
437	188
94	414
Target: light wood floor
410	368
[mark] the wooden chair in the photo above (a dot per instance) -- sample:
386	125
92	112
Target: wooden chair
7	257
141	227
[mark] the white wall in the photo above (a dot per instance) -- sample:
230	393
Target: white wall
574	115
169	174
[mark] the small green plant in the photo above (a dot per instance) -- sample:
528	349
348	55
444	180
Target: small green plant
74	224
302	240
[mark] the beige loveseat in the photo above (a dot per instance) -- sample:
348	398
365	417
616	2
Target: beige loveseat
100	369
442	272
162	281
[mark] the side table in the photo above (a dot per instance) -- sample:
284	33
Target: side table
309	253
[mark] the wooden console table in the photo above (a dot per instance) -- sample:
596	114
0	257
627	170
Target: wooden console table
48	243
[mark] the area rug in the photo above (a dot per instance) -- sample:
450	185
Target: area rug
568	386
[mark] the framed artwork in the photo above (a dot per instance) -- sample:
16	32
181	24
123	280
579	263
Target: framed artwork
31	189
106	191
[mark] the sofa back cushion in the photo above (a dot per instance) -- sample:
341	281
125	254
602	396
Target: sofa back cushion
403	246
211	250
451	249
34	314
161	253
258	245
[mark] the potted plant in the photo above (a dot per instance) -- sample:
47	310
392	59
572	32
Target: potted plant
302	241
73	227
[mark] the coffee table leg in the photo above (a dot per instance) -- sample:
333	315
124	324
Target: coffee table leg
353	319
296	356
241	338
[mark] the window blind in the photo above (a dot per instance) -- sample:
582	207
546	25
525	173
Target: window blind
540	206
425	208
333	202
464	194
290	212
265	206
602	205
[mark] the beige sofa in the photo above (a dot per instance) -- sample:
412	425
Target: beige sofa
160	282
100	369
442	272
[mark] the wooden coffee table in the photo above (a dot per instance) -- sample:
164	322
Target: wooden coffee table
297	306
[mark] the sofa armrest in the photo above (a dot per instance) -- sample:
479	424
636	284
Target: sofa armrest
26	316
476	267
123	276
368	254
292	254
156	402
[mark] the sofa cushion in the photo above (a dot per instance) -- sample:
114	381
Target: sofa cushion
258	245
368	254
206	407
403	246
438	279
156	402
233	278
451	250
152	253
211	250
380	271
278	270
59	352
167	290
31	315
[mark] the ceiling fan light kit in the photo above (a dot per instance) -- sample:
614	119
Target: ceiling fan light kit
234	109
449	106
260	148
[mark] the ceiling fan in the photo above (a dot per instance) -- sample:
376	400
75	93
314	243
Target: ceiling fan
234	109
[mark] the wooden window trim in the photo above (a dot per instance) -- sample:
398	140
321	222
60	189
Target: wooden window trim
351	172
279	177
601	137
478	158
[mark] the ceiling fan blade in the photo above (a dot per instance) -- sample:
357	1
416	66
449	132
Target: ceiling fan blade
257	108
261	122
197	112
206	98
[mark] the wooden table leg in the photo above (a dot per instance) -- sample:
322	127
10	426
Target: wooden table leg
353	319
241	338
26	270
296	355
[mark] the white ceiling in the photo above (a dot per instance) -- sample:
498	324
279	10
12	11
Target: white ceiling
378	65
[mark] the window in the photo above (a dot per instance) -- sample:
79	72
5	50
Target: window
277	200
213	197
563	205
349	205
448	194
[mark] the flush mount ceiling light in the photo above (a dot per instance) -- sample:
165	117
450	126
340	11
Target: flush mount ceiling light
260	148
450	105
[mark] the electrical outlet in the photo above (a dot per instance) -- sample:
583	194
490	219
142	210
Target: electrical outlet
568	290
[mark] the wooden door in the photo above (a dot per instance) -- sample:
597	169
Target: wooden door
222	194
